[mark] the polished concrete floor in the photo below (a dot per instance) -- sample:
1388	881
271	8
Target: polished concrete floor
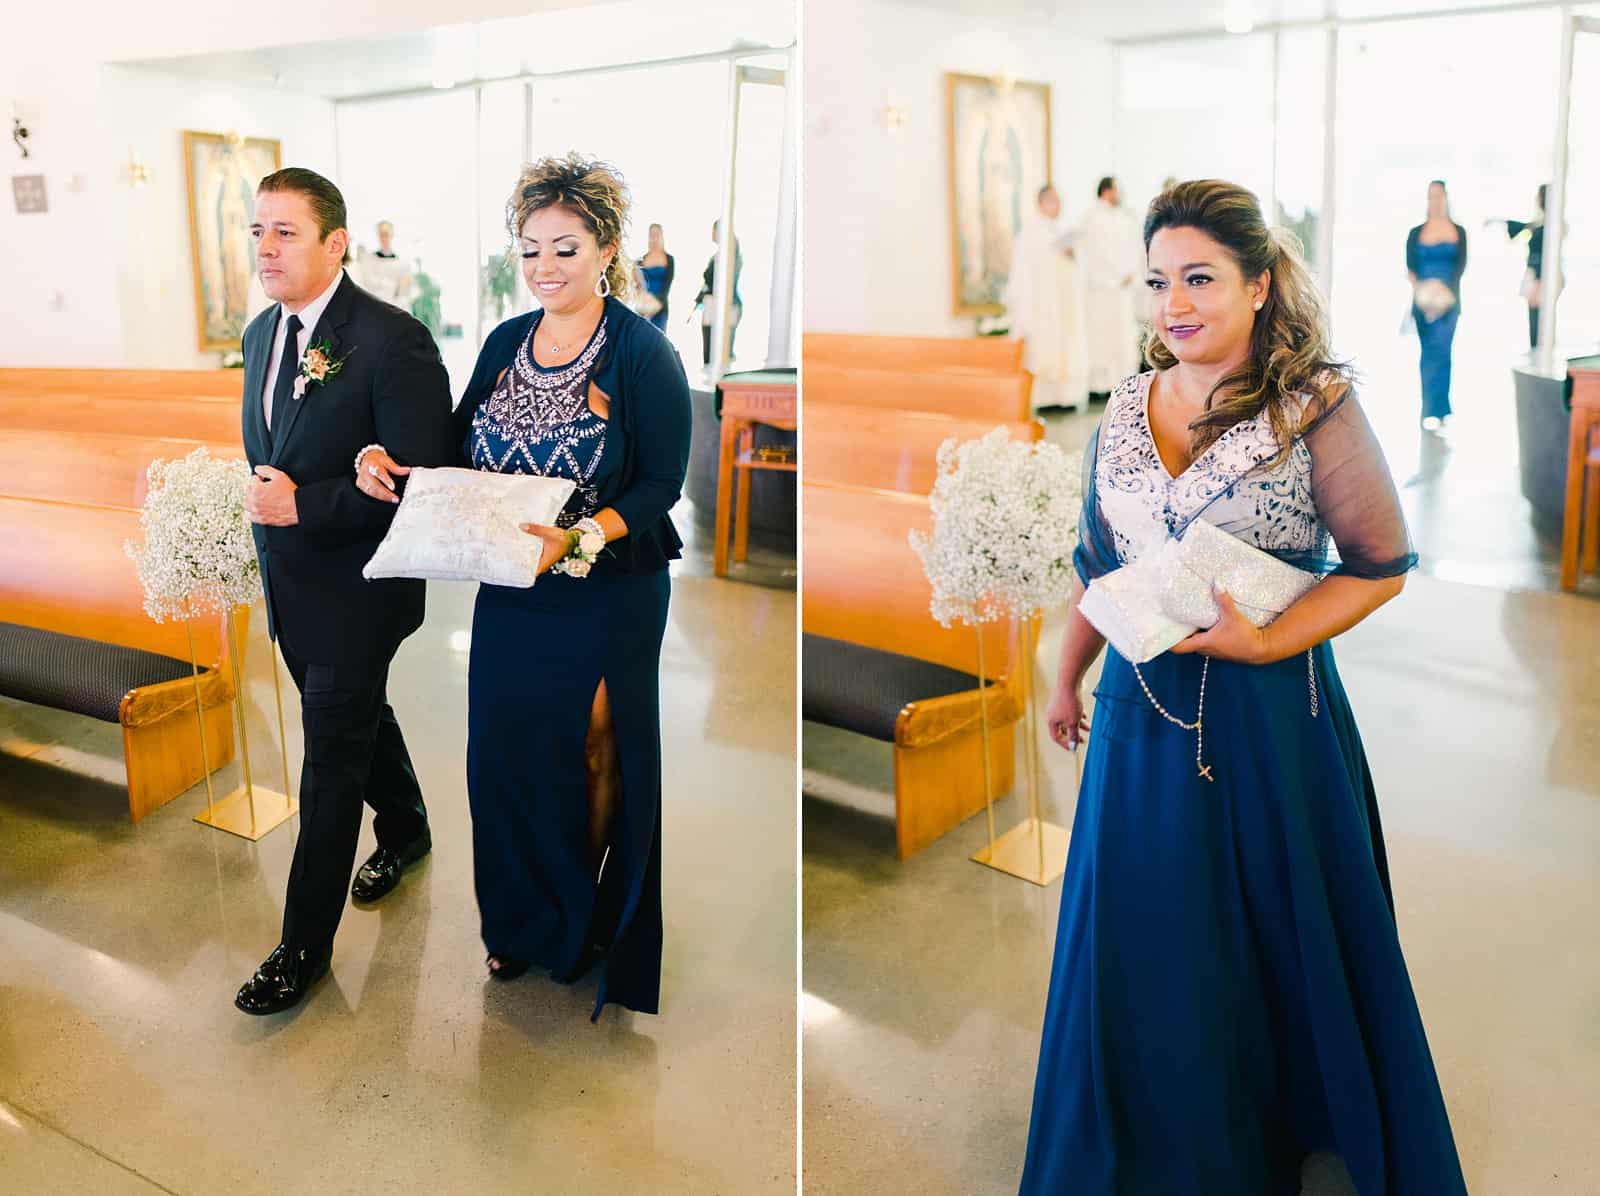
924	981
124	1067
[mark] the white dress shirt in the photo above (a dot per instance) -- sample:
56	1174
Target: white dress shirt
309	315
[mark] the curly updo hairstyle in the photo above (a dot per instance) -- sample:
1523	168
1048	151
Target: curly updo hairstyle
1290	357
592	191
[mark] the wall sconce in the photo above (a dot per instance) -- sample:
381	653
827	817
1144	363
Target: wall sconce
893	118
138	170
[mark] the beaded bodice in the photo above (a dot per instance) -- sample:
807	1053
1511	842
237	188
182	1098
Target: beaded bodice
1241	483
539	421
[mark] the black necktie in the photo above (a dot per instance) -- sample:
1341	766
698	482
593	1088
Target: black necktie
288	369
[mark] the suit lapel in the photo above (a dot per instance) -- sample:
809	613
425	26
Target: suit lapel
257	439
334	317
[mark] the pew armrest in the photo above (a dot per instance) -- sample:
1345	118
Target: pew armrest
152	703
930	720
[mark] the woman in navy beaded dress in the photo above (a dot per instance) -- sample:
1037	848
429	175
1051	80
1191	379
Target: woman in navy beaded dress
1228	1003
563	719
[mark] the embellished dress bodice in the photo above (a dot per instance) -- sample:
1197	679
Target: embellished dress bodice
1242	483
538	421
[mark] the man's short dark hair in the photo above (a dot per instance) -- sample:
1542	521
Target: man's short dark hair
1105	184
327	203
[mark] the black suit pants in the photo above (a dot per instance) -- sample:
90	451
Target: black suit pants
354	755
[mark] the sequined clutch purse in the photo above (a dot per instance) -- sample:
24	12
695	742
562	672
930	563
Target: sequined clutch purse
1261	585
1148	605
1125	607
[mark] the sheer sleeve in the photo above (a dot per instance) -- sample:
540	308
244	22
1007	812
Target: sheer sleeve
1355	495
1096	553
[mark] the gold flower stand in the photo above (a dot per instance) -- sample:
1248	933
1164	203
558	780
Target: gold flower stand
250	811
1034	850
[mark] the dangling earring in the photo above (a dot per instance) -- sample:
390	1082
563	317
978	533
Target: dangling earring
603	287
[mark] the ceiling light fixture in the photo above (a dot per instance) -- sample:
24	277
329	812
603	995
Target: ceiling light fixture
1237	17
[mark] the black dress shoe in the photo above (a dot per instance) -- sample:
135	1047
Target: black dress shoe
282	980
379	875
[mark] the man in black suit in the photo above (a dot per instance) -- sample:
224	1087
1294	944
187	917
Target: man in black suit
330	369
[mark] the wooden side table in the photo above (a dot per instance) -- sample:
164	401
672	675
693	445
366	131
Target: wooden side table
1580	521
761	397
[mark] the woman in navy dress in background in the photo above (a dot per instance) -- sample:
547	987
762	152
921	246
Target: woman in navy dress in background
1228	999
1436	257
563	719
657	268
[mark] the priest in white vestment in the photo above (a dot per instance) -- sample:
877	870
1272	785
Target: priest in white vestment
1044	298
1110	249
384	273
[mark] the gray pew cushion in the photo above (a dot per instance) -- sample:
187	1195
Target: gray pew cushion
82	675
863	689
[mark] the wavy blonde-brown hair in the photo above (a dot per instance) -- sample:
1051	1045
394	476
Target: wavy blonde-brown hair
1290	358
592	191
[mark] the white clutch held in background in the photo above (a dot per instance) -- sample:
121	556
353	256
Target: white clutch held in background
1148	605
466	525
1261	585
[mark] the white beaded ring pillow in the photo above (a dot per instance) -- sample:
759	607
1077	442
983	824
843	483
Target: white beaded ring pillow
466	525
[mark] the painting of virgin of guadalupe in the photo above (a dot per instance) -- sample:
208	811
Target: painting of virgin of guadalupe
223	171
999	157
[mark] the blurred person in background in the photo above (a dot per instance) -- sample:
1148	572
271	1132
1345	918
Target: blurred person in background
1436	257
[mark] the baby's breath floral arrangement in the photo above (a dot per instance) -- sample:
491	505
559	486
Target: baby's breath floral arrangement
198	554
1005	522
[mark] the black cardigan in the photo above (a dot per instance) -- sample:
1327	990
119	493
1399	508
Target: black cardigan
1414	240
640	372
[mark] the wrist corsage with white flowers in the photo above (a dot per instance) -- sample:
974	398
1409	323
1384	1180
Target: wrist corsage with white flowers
586	540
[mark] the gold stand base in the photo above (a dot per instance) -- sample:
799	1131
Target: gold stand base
234	813
1016	852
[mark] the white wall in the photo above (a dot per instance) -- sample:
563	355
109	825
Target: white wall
102	278
875	209
60	299
148	111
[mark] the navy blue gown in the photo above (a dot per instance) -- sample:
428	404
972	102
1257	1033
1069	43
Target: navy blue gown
539	654
1228	994
1436	338
658	281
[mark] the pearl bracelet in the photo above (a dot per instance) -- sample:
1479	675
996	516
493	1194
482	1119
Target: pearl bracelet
367	450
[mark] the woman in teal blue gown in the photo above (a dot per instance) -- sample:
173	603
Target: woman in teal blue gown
1228	995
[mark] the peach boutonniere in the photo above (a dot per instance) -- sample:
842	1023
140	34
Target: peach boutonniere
318	365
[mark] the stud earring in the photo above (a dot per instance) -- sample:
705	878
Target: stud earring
1256	306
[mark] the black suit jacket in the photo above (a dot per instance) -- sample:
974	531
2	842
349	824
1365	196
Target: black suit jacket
392	390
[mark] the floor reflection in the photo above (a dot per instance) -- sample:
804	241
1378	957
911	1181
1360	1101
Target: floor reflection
408	1069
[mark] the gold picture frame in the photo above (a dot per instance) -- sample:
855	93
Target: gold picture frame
998	150
221	172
